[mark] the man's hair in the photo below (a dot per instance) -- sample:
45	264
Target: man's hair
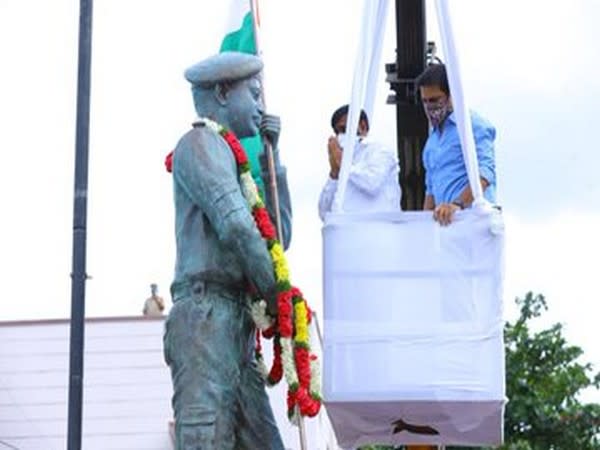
343	111
434	75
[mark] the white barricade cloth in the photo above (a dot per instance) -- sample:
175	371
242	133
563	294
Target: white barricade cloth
364	84
459	99
413	328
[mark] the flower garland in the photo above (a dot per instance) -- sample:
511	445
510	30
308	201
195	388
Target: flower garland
292	356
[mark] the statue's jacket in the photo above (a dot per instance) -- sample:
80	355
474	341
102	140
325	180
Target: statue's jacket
216	237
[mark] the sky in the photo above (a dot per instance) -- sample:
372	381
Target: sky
529	67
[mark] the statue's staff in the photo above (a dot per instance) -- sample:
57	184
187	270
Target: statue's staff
268	150
273	181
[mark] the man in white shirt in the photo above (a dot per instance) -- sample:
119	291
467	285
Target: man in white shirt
373	180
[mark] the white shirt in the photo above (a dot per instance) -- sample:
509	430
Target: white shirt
372	183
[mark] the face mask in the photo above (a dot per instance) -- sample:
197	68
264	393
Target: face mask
341	137
438	111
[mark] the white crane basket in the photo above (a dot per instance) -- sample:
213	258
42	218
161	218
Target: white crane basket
413	347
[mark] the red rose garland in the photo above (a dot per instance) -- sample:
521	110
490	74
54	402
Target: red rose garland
291	343
169	162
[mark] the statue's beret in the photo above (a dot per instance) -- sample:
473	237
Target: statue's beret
226	66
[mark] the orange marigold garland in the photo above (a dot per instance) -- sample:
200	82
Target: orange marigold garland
292	356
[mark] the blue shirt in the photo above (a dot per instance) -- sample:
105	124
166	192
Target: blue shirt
446	174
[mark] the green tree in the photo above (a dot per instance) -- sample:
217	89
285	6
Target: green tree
544	379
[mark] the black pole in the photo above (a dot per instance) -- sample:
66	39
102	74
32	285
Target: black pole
78	275
411	127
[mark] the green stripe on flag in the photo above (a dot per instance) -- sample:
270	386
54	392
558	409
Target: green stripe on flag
254	146
241	40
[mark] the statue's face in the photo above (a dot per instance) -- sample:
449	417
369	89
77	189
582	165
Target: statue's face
244	107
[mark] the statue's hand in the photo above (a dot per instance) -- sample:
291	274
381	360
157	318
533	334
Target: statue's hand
272	308
270	127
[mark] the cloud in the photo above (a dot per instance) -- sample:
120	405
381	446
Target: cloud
557	257
545	156
531	70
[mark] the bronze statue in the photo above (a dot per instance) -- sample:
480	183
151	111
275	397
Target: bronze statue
219	397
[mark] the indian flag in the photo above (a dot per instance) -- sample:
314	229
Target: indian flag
240	37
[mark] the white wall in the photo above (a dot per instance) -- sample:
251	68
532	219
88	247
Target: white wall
127	387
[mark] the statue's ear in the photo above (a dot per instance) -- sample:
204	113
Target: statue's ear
220	93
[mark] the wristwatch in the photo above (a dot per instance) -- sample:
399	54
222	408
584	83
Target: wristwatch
459	203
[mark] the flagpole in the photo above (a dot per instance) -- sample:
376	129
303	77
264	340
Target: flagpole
78	275
275	195
266	145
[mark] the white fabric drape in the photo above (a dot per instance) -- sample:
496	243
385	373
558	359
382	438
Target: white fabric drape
375	62
459	100
364	84
413	327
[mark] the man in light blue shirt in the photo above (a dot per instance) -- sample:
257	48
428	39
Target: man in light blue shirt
446	182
